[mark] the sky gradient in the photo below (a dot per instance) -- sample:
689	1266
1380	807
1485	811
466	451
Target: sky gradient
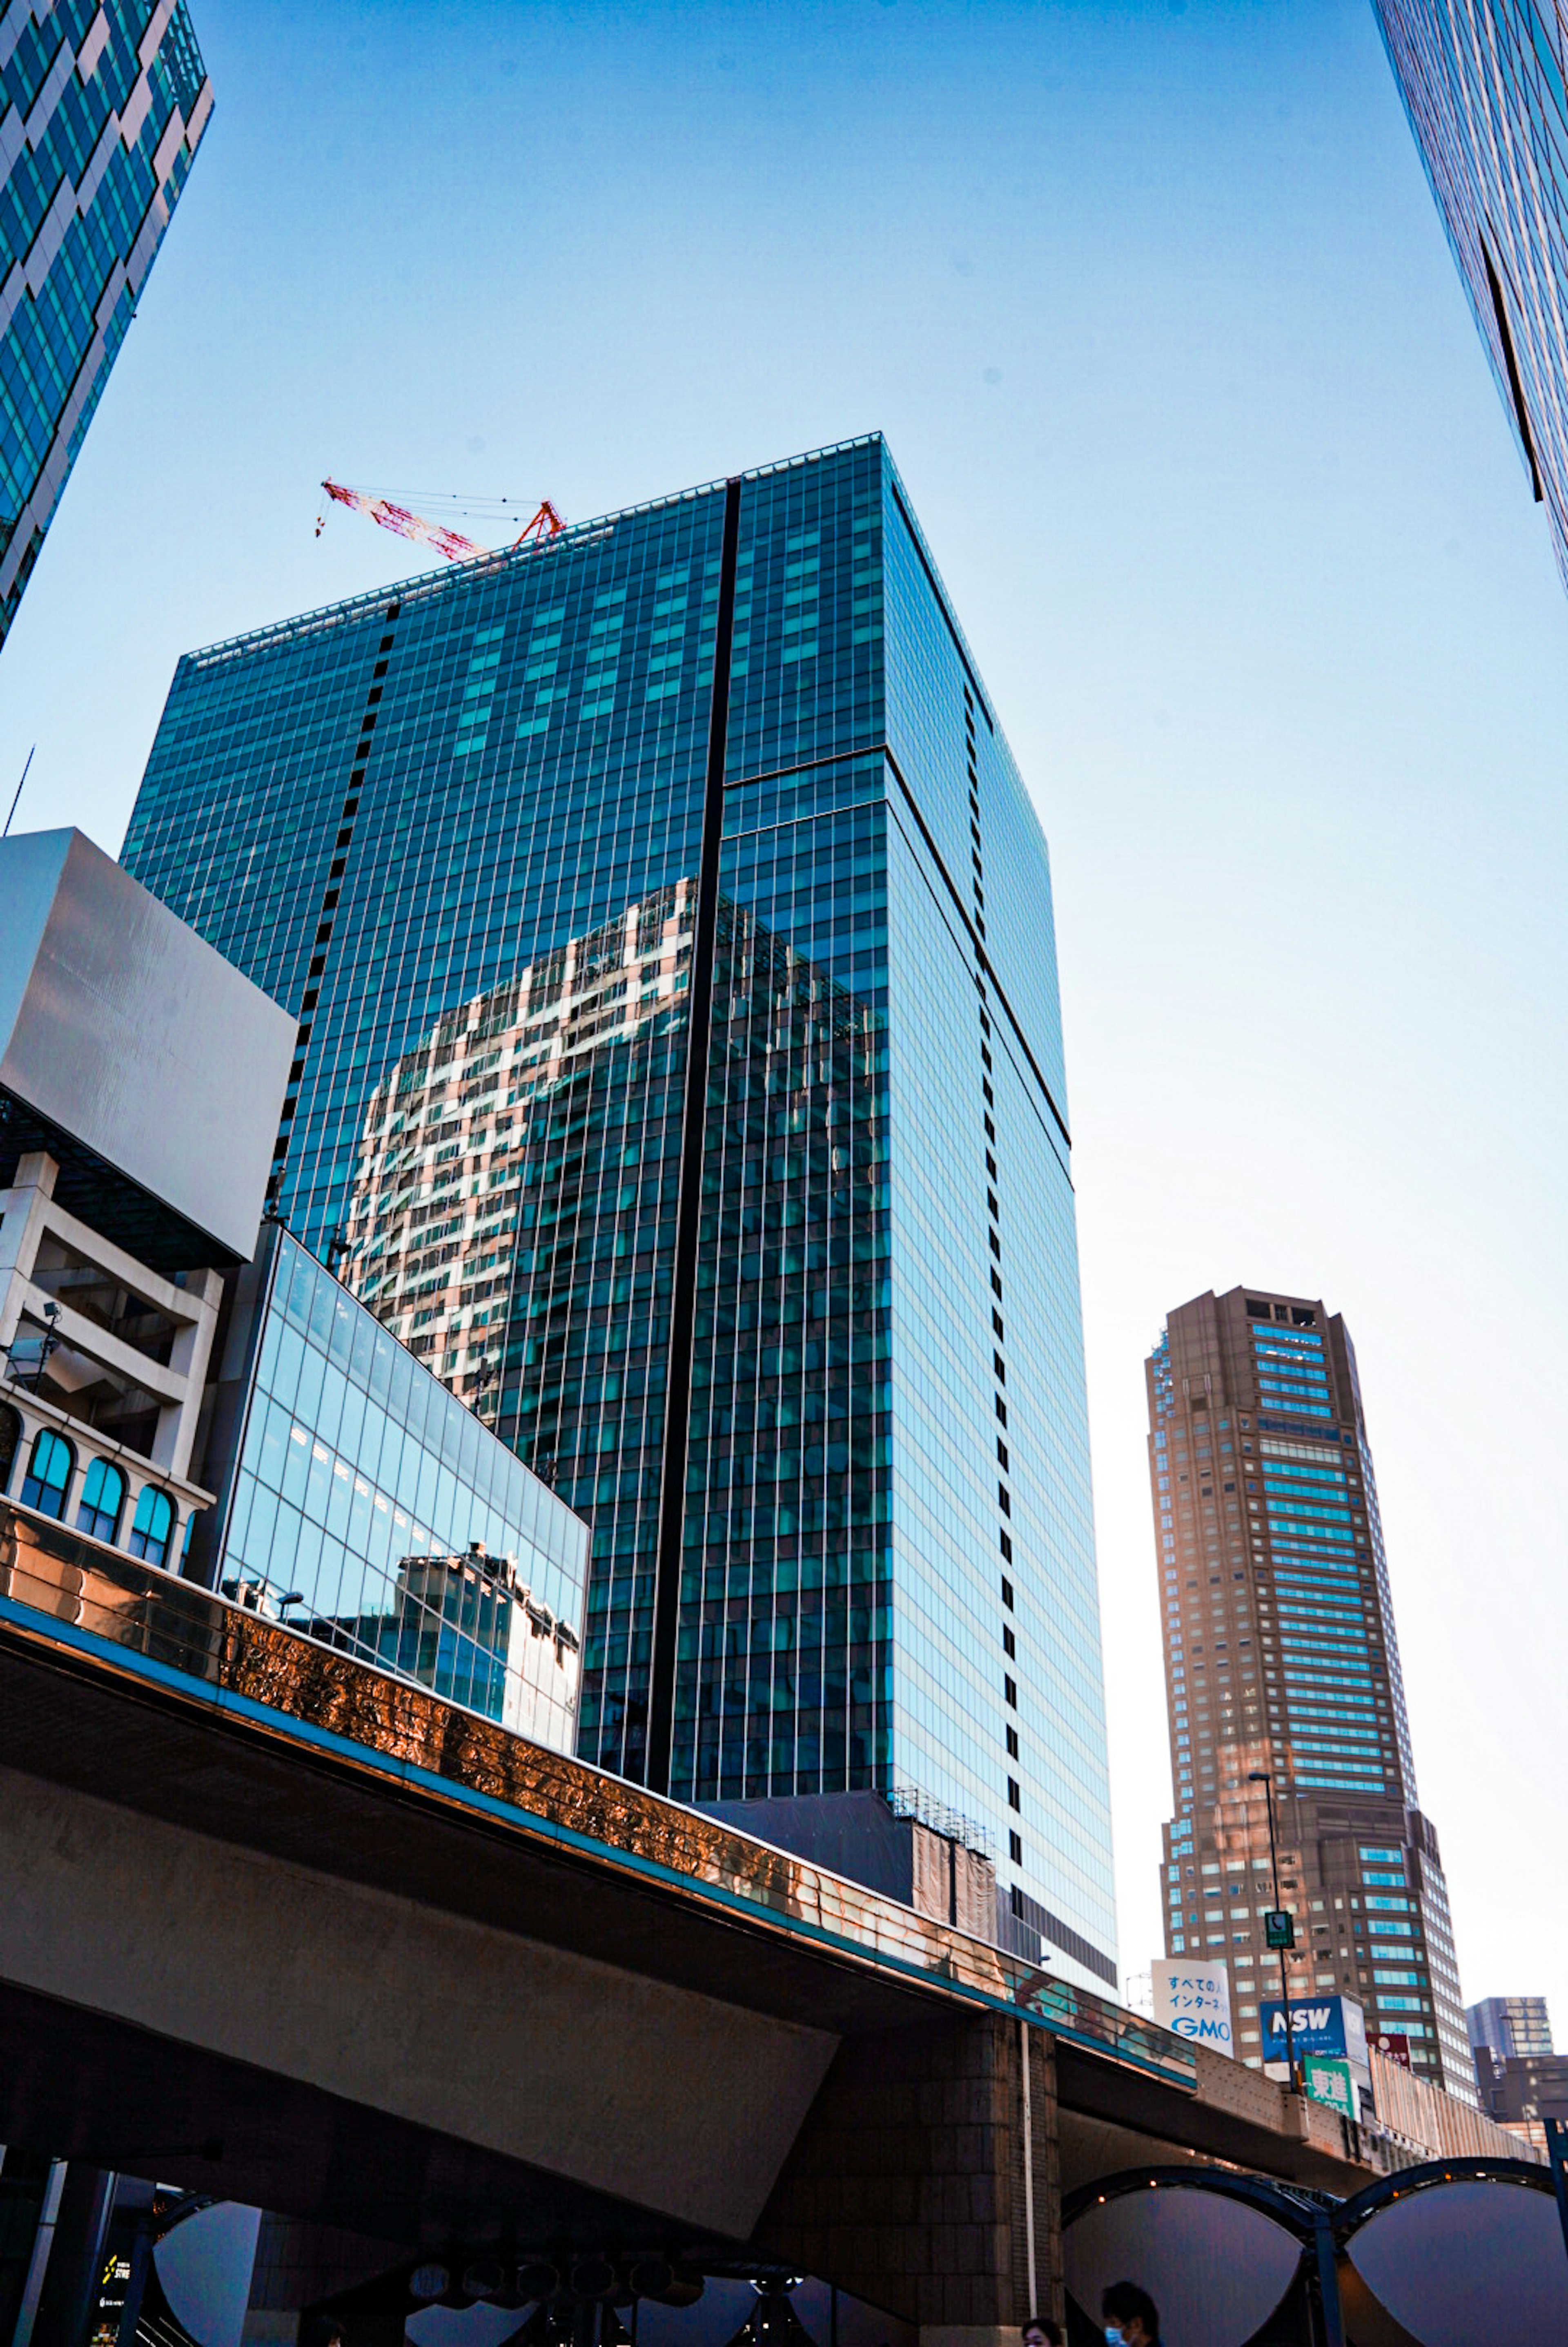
1154	306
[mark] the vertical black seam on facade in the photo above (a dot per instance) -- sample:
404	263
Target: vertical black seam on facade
662	1659
981	955
1504	335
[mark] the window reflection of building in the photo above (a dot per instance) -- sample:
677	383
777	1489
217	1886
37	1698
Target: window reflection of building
432	1221
497	1217
467	1627
362	1503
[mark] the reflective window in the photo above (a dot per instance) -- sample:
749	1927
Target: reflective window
103	1497
48	1475
373	1510
152	1525
113	118
495	1125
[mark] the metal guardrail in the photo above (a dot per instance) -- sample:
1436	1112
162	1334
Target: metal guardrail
115	1612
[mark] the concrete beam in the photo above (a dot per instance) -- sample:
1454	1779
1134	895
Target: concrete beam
628	2086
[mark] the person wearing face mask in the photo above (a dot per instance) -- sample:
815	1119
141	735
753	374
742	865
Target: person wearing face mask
1041	2332
1131	2317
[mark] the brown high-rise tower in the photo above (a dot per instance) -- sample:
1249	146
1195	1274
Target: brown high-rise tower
1281	1659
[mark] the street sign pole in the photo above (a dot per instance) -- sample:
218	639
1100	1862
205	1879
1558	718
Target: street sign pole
1273	1936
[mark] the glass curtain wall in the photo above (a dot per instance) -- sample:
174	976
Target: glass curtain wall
801	1334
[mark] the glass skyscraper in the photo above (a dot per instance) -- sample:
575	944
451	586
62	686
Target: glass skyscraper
1512	2028
679	1073
1484	89
101	110
1281	1661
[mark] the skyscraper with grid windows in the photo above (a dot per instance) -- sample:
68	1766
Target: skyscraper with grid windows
1485	88
1281	1662
101	111
680	1072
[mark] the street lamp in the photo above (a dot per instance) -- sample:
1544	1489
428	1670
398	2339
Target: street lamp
1262	1776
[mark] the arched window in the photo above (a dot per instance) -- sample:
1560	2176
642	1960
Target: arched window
48	1476
151	1526
10	1443
103	1497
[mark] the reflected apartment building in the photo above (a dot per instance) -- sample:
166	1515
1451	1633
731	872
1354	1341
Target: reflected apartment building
678	1068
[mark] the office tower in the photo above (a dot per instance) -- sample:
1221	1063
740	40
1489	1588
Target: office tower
680	1069
1512	2028
101	110
1281	1662
1483	87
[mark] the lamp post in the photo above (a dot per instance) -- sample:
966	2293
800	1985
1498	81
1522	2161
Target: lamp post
1262	1776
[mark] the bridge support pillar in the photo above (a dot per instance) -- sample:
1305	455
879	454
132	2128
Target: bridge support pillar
908	2184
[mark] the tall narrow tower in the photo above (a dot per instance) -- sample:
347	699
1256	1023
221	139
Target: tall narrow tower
1281	1662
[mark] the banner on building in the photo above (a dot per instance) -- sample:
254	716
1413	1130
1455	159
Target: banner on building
1194	2002
1329	2082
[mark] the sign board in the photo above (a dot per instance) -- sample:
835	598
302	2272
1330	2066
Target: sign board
1194	2002
1327	2081
1278	1928
1393	2045
1331	2026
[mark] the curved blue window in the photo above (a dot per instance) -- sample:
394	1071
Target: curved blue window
103	1497
48	1476
151	1526
10	1443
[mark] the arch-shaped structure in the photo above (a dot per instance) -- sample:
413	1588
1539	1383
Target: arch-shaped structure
50	1466
152	1526
103	1499
1220	2253
1454	2251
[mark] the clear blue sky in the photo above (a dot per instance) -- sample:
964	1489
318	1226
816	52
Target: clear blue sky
1153	303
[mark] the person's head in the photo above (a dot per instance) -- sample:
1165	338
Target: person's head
1041	2332
1130	2315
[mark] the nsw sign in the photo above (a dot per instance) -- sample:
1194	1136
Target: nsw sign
1331	2026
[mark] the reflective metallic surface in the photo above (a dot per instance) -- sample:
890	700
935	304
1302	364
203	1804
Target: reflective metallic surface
91	1608
355	1487
679	1072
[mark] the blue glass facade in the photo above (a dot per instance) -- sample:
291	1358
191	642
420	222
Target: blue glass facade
681	1075
1484	89
1281	1658
359	1498
101	110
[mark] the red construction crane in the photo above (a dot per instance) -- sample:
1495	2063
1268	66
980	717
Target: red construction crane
448	542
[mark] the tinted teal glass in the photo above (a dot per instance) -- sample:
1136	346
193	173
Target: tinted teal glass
481	834
108	141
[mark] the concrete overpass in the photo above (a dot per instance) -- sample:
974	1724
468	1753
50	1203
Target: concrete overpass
311	1938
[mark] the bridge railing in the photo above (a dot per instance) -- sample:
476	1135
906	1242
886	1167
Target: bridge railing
60	1586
